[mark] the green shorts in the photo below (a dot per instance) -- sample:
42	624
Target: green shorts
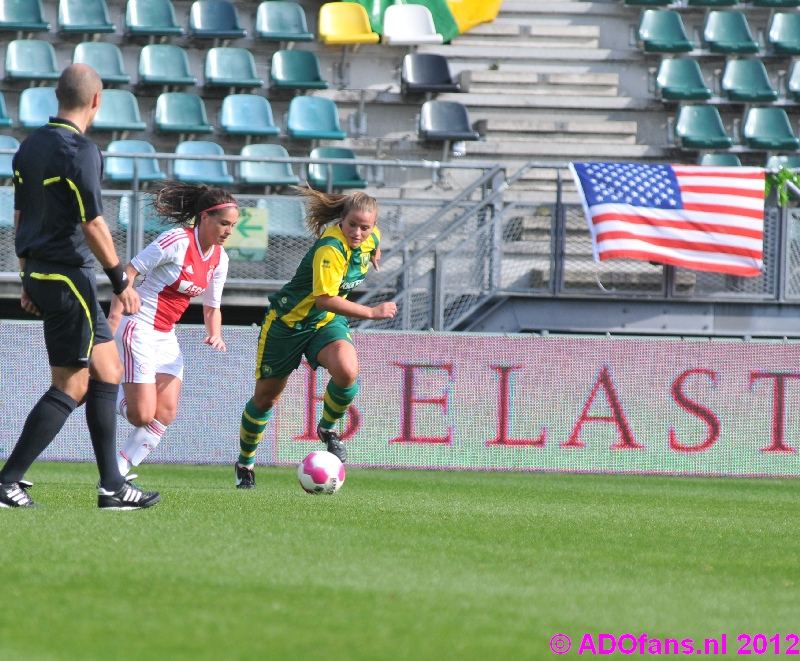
281	348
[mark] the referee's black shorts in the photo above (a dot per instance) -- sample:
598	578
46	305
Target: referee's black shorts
74	322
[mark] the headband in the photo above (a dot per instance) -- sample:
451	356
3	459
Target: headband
224	205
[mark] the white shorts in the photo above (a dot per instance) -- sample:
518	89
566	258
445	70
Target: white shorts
146	352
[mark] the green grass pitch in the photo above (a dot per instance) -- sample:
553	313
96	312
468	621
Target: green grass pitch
397	565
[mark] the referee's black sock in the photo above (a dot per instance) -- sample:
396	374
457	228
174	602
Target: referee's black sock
101	418
44	422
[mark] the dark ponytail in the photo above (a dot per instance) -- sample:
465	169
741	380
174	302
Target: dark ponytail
179	203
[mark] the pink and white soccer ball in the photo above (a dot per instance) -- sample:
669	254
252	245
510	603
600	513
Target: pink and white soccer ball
321	472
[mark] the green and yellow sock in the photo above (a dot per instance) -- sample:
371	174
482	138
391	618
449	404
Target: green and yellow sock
254	421
337	401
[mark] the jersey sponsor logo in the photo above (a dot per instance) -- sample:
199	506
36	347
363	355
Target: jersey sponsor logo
266	370
189	288
364	260
210	274
326	263
351	285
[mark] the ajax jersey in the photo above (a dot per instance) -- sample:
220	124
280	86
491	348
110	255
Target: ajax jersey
176	271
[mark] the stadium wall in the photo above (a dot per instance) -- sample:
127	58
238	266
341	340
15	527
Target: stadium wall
478	402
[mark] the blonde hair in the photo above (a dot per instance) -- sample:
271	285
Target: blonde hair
324	208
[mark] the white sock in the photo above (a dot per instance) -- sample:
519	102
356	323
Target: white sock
124	464
141	441
122	403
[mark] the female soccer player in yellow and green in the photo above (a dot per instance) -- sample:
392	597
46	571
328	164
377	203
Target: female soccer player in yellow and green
307	316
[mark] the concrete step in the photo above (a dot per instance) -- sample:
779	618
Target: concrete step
493	52
570	102
570	151
576	128
514	82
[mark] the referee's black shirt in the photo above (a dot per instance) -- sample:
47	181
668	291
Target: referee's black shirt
57	174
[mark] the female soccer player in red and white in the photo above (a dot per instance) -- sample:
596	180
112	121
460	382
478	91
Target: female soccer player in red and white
181	263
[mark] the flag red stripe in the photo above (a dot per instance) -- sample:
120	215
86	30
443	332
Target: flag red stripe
683	245
679	224
720	190
719	208
704	171
731	269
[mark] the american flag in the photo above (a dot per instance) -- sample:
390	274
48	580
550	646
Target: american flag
698	217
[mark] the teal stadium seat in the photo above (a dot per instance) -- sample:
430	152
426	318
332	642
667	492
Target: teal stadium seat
313	118
342	175
793	82
22	16
119	111
282	21
247	114
7	142
782	161
783	37
215	19
120	168
680	79
775	4
153	223
727	160
728	32
5	120
201	171
105	58
266	172
662	31
31	60
152	18
181	112
36	106
296	69
747	81
701	127
712	3
165	64
231	67
84	16
769	128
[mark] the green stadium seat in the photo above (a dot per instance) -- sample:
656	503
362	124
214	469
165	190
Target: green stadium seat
662	31
105	58
728	32
36	106
296	69
165	64
181	112
22	16
342	175
7	142
793	82
201	171
119	111
782	161
747	81
120	168
701	127
784	33
152	18
247	114
680	79
231	67
426	72
31	59
313	118
215	19
84	16
282	21
5	120
769	128
727	160
266	172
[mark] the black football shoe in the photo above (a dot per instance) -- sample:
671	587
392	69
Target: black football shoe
333	442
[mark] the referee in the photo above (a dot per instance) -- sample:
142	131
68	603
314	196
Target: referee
59	230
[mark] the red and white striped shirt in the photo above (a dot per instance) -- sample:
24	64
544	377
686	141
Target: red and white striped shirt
177	271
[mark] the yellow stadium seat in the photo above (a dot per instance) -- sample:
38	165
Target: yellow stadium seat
345	23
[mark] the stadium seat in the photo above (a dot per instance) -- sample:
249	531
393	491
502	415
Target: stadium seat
342	175
747	81
680	79
215	19
426	72
5	120
662	31
728	160
775	161
164	64
247	114
201	171
84	16
181	112
266	172
22	16
345	23
313	118
153	223
711	3
7	142
282	21
36	106
784	33
793	83
120	168
445	120
408	25
296	69
105	58
648	3
119	111
728	32
31	59
152	18
768	128
701	127
775	4
231	67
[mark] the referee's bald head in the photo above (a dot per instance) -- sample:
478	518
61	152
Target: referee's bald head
77	87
